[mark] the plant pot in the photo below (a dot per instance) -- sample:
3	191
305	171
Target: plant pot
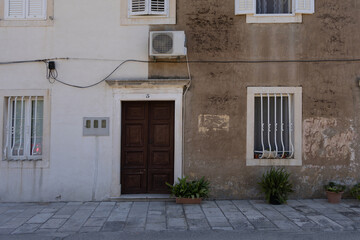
188	200
334	197
274	200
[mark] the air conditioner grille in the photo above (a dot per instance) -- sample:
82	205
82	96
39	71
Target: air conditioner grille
163	43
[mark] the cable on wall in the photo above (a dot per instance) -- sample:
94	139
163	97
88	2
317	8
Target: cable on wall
52	74
53	77
194	61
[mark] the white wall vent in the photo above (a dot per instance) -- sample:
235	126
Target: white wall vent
167	44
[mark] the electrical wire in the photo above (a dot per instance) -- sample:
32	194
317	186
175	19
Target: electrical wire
194	61
184	114
55	75
52	75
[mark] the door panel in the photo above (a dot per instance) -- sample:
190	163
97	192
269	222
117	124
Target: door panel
157	179
134	147
134	181
160	135
134	135
147	147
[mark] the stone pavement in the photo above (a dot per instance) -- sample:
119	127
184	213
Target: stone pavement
62	219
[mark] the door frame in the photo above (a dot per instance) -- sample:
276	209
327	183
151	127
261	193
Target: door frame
172	93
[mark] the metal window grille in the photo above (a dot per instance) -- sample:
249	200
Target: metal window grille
273	6
24	127
274	126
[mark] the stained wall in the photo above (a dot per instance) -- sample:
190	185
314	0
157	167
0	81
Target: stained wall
215	113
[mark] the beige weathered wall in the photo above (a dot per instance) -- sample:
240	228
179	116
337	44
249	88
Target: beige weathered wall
215	124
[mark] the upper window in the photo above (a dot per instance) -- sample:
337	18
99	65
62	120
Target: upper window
26	13
148	7
274	11
274	126
273	6
146	12
25	9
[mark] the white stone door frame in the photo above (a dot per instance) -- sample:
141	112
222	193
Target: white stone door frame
168	93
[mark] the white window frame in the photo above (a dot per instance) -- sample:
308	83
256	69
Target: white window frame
25	128
26	15
147	19
253	17
38	161
148	11
296	96
47	21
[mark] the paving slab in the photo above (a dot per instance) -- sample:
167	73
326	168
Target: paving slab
95	222
67	218
54	223
113	226
75	222
40	218
26	228
103	210
89	229
176	223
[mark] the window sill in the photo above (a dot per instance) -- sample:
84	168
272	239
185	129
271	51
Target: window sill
26	23
24	163
273	162
276	18
147	20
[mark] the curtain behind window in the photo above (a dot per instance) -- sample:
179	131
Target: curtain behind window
273	6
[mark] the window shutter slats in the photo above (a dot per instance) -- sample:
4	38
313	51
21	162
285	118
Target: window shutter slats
158	7
36	9
138	7
245	7
15	8
305	6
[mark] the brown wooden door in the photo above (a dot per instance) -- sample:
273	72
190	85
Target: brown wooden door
147	149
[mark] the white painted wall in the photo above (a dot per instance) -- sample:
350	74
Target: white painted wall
80	167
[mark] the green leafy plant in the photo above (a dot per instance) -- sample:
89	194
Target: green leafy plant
276	185
334	187
355	191
190	189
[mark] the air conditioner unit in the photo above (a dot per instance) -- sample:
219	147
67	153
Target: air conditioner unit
167	44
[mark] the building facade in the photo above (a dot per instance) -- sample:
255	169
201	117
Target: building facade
264	83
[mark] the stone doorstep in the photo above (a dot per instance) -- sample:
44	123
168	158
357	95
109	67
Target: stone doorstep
143	198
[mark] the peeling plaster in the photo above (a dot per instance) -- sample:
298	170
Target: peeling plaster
326	138
209	122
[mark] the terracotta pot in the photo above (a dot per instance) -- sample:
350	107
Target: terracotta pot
334	197
188	200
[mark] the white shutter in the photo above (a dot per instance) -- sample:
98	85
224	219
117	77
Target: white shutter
305	6
244	6
138	7
158	7
14	9
36	9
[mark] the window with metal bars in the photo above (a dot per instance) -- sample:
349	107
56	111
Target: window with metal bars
24	128
273	126
148	7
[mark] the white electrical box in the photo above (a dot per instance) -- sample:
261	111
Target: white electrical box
96	126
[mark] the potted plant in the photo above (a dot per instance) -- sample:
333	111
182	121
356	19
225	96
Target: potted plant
190	192
355	191
334	192
276	185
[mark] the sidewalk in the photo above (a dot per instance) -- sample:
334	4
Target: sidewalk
63	219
